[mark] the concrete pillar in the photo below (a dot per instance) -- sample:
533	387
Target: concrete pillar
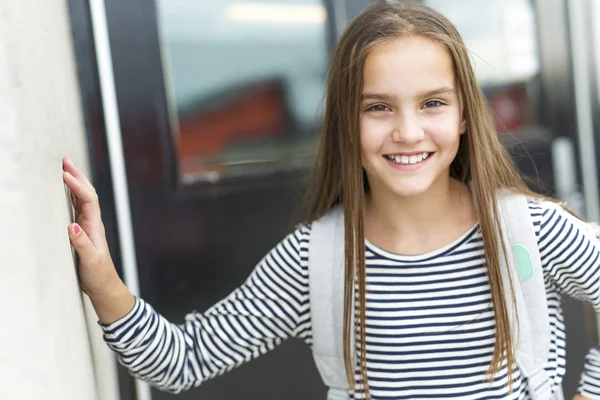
50	347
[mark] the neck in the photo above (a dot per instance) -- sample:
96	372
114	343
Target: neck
444	208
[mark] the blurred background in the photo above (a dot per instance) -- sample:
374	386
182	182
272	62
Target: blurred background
203	118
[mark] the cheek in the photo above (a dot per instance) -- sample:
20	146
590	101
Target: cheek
373	135
366	139
445	132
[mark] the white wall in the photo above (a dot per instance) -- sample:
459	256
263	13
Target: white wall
45	346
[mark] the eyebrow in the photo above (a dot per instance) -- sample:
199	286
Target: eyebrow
420	95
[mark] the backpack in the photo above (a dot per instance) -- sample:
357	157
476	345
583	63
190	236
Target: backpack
326	285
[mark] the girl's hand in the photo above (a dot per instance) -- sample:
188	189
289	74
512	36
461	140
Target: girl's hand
580	397
97	274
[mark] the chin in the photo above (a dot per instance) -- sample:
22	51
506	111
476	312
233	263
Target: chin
411	189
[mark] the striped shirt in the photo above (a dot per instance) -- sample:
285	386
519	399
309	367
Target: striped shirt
430	323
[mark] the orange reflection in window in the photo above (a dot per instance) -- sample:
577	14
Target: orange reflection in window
249	115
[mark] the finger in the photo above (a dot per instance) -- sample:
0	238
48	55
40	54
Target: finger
70	167
81	191
82	244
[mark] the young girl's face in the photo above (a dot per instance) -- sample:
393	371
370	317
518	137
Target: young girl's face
410	117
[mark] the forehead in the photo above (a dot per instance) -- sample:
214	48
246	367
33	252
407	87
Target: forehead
405	66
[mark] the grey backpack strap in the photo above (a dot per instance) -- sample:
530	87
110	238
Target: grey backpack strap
525	265
326	286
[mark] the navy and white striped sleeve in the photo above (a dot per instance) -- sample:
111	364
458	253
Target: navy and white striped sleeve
268	308
571	258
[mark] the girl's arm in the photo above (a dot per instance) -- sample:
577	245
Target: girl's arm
571	258
269	307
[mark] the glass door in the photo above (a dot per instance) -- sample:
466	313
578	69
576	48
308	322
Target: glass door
218	106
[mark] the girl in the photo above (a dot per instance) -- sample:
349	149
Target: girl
406	129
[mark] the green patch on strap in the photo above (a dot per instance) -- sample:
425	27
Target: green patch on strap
524	262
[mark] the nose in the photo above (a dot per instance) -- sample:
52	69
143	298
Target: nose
407	129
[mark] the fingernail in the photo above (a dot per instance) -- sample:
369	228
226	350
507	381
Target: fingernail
75	230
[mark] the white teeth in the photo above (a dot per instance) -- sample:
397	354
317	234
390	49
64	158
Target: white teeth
406	160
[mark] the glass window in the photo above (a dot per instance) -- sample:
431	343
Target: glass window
501	36
246	82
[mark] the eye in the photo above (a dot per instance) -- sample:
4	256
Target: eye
433	104
378	108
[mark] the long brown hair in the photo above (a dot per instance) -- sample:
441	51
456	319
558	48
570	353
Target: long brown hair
338	177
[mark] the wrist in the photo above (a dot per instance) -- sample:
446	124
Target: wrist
113	304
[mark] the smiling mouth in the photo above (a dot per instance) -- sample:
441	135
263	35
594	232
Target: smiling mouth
408	160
